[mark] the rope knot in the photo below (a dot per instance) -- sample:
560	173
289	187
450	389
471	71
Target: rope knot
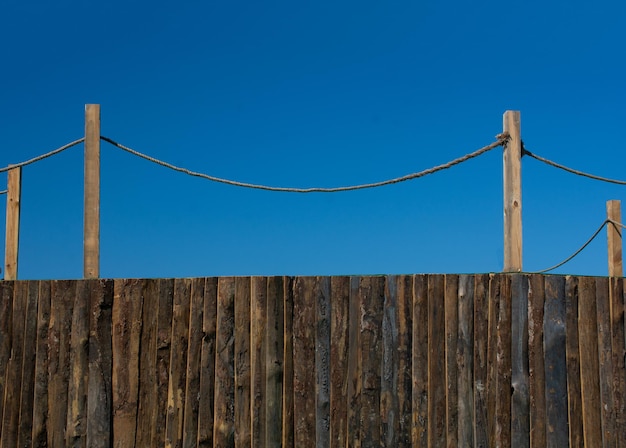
503	138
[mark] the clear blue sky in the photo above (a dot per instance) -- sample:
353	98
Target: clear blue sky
311	94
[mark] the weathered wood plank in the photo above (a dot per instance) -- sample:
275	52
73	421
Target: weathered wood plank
555	363
163	347
465	361
451	309
536	299
503	362
178	363
40	392
520	411
207	364
28	366
389	406
242	362
618	350
258	357
288	391
91	209
419	367
574	401
6	337
354	388
436	362
12	229
588	347
99	394
339	329
404	323
126	326
322	362
609	438
274	352
304	361
493	313
224	429
481	332
148	390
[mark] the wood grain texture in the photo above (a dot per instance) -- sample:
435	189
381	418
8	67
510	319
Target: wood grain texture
493	316
224	429
503	363
243	432
404	391
536	368
609	438
419	367
274	362
614	238
389	405
288	391
520	399
40	392
258	357
91	239
465	362
481	341
322	361
6	338
354	367
163	345
11	247
207	364
436	363
512	179
574	400
339	337
451	300
618	350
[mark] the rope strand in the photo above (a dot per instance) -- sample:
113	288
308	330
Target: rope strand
43	156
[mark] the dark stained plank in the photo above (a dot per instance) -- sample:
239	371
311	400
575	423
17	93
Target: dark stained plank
536	363
465	361
6	337
371	295
192	387
481	332
609	438
322	362
126	326
419	366
258	328
451	319
555	362
574	400
493	314
40	392
242	362
304	361
389	406
618	350
163	347
274	352
178	363
588	347
404	324
99	393
520	411
224	429
288	391
353	436
148	391
207	364
436	362
339	328
503	362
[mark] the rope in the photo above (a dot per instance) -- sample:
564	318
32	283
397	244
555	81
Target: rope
606	221
571	170
43	156
501	140
3	192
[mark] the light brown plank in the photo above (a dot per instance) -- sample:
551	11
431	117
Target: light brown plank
436	362
207	365
40	393
574	400
91	240
451	318
512	160
419	365
274	352
536	299
258	357
11	247
481	332
224	417
465	361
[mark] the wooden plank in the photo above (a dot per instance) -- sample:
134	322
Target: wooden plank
451	318
40	392
304	362
465	361
192	388
148	390
288	390
503	362
520	411
618	350
6	338
419	367
100	387
258	357
436	362
574	400
614	238
322	361
389	406
242	362
339	337
536	369
555	362
353	436
178	363
13	373
14	198
224	429
481	332
609	438
91	251
164	345
493	313
512	161
207	364
79	369
588	349
404	323
274	352
126	329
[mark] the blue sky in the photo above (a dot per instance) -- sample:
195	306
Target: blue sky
311	94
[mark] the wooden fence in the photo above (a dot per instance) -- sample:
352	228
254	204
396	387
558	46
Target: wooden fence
417	360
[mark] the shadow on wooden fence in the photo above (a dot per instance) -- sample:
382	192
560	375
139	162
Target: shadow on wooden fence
421	360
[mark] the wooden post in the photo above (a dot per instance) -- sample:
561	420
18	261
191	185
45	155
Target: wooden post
512	193
91	241
614	234
14	194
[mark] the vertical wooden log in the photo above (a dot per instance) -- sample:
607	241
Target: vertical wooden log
503	363
274	362
258	357
14	198
40	393
536	369
322	362
354	367
588	347
451	305
436	362
389	405
405	379
242	362
163	347
512	157
520	411
100	391
419	368
207	365
614	238
288	378
6	338
91	252
481	341
339	330
555	364
603	308
618	350
574	400
465	364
